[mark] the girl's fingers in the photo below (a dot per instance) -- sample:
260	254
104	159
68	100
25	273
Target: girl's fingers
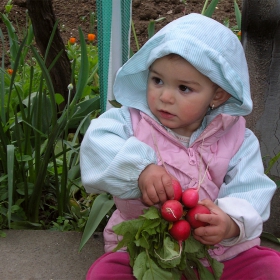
211	219
146	200
168	188
160	192
209	204
207	235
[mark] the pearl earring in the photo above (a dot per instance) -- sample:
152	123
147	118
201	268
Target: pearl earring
213	106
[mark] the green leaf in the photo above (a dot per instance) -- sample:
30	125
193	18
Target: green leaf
13	39
154	254
100	207
130	225
74	172
237	15
22	158
139	267
151	29
160	19
270	237
25	225
83	73
188	270
48	80
217	267
169	255
211	8
134	35
10	161
272	162
155	272
83	109
151	213
152	225
134	251
147	269
127	239
203	272
58	98
21	188
193	246
29	39
142	242
115	103
2	234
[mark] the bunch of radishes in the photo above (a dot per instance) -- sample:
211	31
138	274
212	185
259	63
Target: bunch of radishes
173	211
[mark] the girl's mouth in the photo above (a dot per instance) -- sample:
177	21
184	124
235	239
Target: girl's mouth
165	114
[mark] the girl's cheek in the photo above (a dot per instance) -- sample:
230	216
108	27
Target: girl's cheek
151	98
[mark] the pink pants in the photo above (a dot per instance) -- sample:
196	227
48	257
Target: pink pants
257	263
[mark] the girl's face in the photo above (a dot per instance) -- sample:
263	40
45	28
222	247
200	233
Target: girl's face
179	95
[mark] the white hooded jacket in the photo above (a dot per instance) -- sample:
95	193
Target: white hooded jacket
112	158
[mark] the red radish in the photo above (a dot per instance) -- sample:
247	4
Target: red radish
172	210
198	209
177	189
180	230
190	197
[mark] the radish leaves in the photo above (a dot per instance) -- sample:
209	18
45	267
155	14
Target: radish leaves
154	254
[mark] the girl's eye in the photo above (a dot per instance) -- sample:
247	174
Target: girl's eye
184	88
157	81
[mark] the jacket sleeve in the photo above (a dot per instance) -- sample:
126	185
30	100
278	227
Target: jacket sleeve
111	158
246	192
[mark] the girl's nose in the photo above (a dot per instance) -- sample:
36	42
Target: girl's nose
167	96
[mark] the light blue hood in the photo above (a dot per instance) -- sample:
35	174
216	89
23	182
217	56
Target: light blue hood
209	46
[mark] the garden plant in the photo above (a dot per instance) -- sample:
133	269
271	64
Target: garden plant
39	149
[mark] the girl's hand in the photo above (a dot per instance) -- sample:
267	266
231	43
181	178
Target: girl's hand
155	184
220	227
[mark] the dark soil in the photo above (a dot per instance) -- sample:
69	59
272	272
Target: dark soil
74	13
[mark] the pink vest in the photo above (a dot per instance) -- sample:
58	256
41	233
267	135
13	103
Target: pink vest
206	160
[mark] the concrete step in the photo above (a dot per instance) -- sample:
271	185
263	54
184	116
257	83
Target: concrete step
50	255
46	255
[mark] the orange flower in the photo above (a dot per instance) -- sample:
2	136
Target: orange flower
72	40
10	71
239	33
91	37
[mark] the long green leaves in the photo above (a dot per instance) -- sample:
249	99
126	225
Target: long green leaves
208	11
151	27
58	128
2	88
39	157
155	254
151	32
13	39
135	36
101	206
270	237
237	15
10	160
84	70
272	163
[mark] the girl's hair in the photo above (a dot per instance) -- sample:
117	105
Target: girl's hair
174	56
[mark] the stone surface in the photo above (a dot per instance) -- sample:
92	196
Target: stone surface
46	255
273	224
272	245
49	255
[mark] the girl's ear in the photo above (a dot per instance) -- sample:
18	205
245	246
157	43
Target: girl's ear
220	97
